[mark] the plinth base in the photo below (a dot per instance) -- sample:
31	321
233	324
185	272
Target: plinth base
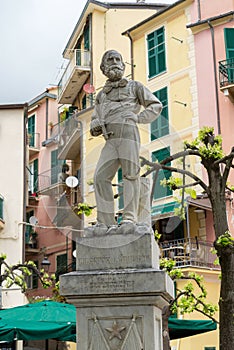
118	308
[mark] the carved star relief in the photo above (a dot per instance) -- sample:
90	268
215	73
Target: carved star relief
115	331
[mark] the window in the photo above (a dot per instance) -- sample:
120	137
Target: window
84	102
1	207
86	37
28	229
229	42
159	190
160	126
156	52
31	130
209	348
33	177
229	45
62	266
56	166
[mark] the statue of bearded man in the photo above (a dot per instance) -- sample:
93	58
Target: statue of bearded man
119	107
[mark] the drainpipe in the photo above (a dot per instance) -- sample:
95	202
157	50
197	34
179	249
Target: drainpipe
199	9
215	76
131	54
25	189
47	121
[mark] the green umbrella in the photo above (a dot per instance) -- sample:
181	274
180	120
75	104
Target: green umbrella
43	320
186	328
52	320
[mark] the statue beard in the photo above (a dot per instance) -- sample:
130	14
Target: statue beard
114	73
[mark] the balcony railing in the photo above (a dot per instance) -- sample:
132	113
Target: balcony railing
69	139
74	76
226	72
34	142
189	252
50	182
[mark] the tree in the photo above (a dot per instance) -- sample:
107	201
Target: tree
18	273
208	149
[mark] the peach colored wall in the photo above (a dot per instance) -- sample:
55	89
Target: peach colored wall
209	8
210	236
205	80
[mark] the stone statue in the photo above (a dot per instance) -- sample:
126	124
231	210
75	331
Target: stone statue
117	111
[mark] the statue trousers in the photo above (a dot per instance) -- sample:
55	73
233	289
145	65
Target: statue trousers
121	150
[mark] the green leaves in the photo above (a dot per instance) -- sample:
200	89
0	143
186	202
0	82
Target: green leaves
208	145
83	208
192	296
225	240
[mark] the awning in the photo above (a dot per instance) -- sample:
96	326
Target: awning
187	328
203	203
164	209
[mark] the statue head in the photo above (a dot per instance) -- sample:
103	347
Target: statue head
112	65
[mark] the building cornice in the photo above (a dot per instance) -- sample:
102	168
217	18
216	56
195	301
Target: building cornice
216	20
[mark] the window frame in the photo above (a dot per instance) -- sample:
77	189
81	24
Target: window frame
161	117
155	47
168	174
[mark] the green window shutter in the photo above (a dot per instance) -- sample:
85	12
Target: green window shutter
35	175
86	37
156	52
56	166
31	130
160	126
120	189
1	207
160	191
209	348
229	42
84	102
61	263
28	228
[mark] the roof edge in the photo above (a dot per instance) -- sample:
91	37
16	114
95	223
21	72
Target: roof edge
165	9
210	19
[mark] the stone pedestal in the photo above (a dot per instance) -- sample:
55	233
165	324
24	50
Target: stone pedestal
119	292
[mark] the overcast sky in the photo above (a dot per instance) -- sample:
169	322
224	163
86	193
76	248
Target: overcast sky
33	35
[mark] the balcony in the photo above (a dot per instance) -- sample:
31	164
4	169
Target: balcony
189	252
50	183
33	141
226	77
69	139
74	77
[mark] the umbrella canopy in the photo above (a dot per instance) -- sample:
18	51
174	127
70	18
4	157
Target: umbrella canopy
43	320
186	328
52	320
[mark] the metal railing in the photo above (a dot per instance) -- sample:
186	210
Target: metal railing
34	140
80	58
67	128
189	252
50	178
226	72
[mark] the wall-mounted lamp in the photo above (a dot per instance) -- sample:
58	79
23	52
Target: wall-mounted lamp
181	103
173	37
45	264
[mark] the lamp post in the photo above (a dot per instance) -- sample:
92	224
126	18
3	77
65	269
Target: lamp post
45	264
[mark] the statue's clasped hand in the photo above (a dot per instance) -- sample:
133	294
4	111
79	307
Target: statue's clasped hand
95	127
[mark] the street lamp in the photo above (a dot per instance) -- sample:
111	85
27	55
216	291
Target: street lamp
45	264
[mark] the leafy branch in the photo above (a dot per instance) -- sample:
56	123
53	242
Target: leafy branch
18	274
